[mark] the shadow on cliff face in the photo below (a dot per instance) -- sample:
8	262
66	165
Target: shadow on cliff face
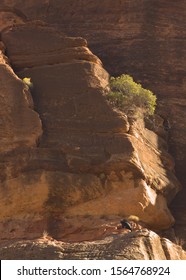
172	111
177	203
54	113
92	141
10	17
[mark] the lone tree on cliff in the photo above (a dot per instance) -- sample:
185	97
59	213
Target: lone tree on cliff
125	94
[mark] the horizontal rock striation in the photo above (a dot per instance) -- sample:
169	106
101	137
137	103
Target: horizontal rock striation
143	38
86	155
88	161
131	246
20	125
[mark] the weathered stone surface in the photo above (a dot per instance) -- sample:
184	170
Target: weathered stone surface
176	107
129	246
143	38
20	125
10	16
88	155
87	138
142	201
57	49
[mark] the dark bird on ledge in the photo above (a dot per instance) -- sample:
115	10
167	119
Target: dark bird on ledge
126	224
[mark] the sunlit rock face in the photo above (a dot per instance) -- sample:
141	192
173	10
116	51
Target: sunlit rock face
87	154
143	38
144	245
68	153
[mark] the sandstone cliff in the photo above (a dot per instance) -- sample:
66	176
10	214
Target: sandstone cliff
65	151
131	246
143	38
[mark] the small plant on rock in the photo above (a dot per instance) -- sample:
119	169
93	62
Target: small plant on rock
28	82
45	234
127	95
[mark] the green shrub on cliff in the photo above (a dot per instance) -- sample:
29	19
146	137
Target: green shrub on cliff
28	82
126	95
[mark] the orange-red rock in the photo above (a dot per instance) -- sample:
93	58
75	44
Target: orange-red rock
88	154
20	125
144	245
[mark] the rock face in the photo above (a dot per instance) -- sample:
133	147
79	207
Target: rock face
65	151
143	38
131	246
20	125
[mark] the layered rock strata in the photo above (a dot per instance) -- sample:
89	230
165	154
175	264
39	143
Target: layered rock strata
87	154
131	246
143	38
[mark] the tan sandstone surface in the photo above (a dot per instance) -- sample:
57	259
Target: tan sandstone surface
136	246
66	154
143	38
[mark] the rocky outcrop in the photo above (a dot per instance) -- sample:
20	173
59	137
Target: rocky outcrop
143	38
20	125
129	246
86	154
